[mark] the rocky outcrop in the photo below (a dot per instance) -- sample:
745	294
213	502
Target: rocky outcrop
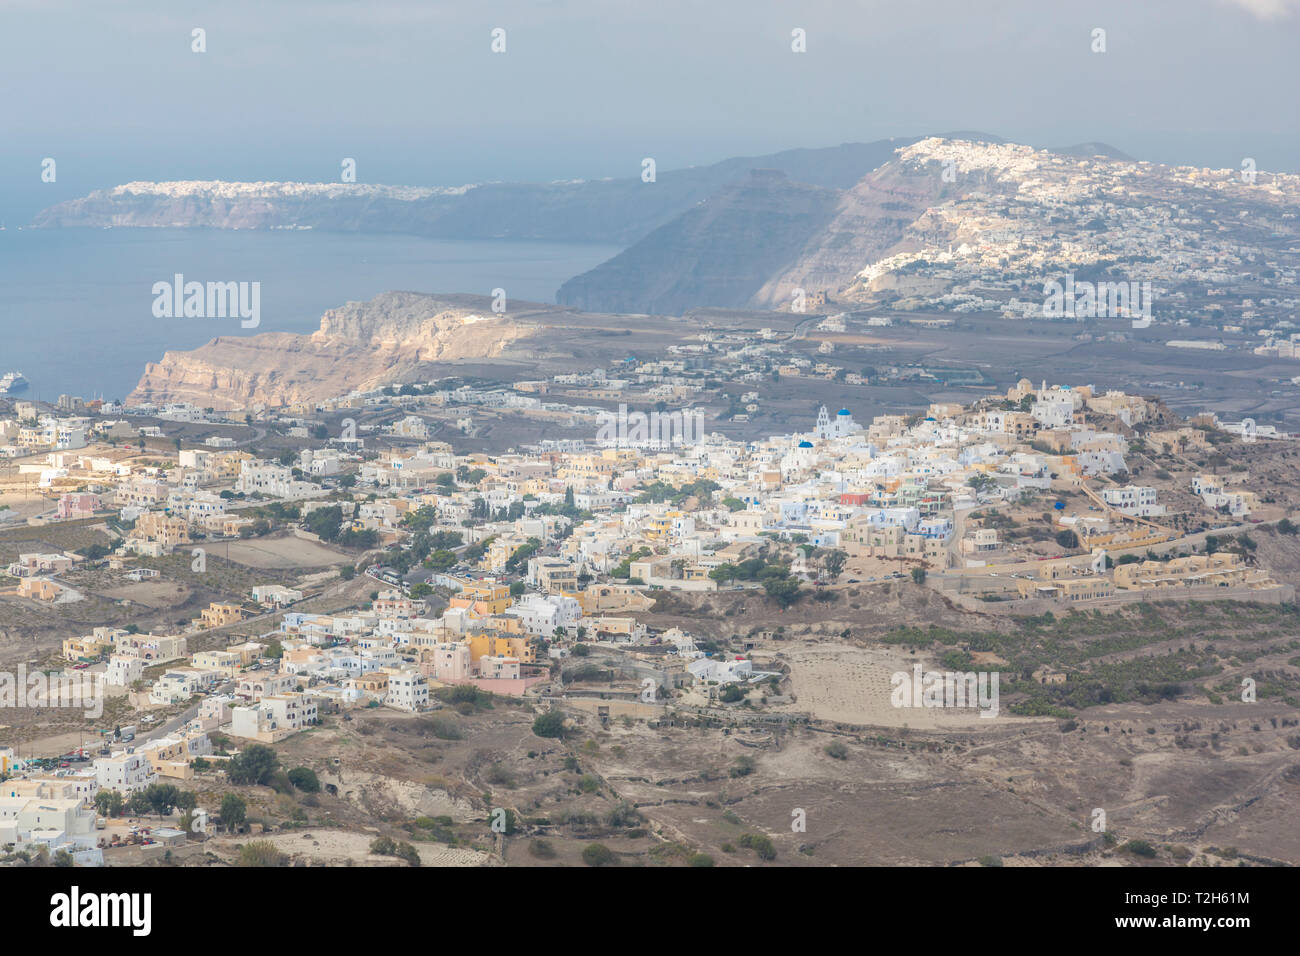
358	346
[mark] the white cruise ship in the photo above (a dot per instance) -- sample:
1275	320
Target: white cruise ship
11	382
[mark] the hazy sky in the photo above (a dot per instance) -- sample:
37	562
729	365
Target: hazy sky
586	88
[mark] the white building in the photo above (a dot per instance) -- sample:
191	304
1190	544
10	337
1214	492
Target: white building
1137	500
542	614
123	671
840	426
407	690
272	480
125	771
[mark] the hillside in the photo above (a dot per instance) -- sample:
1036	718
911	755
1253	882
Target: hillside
972	226
719	253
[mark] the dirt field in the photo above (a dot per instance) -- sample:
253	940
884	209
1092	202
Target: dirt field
852	685
280	552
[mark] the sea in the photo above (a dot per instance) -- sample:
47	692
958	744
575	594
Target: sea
76	305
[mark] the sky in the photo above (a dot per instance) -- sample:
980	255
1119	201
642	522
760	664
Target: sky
412	91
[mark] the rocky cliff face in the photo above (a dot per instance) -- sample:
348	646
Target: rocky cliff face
719	253
358	346
753	244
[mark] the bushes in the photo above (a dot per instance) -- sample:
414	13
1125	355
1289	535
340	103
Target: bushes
305	779
443	728
434	828
731	694
624	816
549	724
597	854
500	776
383	846
743	767
541	849
760	844
261	853
256	764
1140	848
836	749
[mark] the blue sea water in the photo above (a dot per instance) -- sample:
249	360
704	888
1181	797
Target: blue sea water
76	305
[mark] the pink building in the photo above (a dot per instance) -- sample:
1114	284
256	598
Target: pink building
78	505
450	662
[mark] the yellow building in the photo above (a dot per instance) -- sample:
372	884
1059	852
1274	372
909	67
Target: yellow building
494	645
1086	588
219	615
225	662
86	648
1196	570
482	599
156	532
556	576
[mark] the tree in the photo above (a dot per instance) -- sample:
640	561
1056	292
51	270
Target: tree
233	810
255	764
162	797
1067	539
138	804
549	724
325	522
918	575
834	562
723	573
597	854
305	779
731	694
784	591
108	803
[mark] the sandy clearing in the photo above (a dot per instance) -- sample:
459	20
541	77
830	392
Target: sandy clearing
851	685
338	847
286	552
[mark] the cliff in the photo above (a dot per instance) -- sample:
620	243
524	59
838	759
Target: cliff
359	345
720	253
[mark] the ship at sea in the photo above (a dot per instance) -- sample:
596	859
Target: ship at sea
11	382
